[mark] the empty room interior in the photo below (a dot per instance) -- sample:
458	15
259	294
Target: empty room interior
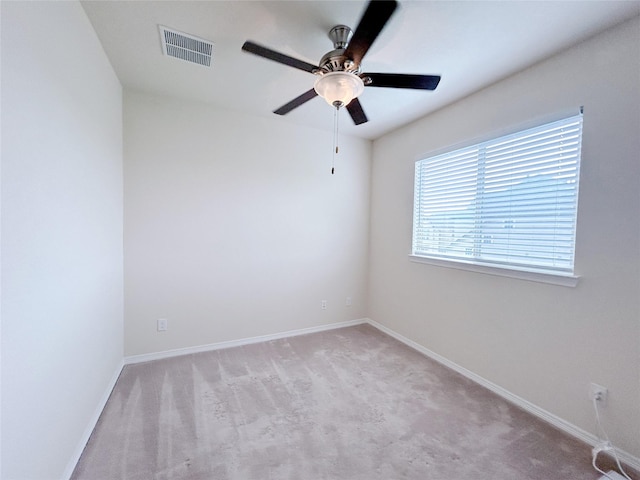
208	272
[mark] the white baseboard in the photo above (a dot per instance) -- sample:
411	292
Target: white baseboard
71	465
548	417
146	357
611	475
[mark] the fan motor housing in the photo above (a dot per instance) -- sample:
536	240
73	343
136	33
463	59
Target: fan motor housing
335	60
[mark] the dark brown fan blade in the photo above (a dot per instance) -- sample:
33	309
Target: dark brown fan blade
371	24
296	102
355	110
277	57
399	80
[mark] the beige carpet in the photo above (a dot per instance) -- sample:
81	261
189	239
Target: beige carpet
345	404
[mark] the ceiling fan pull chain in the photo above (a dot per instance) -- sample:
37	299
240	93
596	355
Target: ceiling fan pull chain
335	139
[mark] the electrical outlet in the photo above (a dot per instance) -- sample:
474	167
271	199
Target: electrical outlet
598	393
162	324
323	304
348	302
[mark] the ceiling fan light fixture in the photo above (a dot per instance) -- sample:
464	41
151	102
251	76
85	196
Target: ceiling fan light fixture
339	88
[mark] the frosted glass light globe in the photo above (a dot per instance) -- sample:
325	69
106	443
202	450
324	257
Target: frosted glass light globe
339	88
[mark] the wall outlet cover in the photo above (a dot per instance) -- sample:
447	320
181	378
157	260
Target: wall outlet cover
598	392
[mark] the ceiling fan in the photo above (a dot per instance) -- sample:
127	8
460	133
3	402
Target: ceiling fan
340	79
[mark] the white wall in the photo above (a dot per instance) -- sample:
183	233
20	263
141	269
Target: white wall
542	342
62	261
235	227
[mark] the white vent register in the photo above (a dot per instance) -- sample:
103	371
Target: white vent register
186	47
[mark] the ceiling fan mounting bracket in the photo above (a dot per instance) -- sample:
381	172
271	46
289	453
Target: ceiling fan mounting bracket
340	35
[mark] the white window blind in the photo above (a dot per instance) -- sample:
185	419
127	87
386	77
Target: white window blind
510	202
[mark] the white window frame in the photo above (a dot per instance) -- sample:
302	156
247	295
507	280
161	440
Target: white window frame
465	218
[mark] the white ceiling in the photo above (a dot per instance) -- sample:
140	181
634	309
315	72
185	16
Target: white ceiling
470	43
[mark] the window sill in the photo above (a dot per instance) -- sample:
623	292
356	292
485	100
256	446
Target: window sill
531	276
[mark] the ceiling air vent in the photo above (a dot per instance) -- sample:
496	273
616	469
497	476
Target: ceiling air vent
186	47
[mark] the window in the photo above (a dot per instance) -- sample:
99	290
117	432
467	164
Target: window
510	202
